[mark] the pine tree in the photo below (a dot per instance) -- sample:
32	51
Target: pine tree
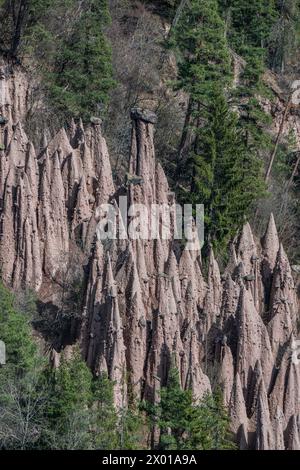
285	35
210	424
66	44
67	413
105	417
132	428
249	35
187	424
174	426
200	44
223	174
22	391
15	332
70	384
251	22
203	57
82	77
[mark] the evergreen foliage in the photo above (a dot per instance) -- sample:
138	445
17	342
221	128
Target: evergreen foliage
21	384
200	44
187	424
104	416
224	175
66	408
285	35
15	332
249	34
218	160
251	22
66	43
45	408
82	77
132	428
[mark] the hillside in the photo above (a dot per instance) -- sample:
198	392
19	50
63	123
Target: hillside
174	346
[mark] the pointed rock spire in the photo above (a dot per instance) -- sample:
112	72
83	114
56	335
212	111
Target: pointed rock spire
264	430
270	244
238	415
293	433
18	147
279	426
253	341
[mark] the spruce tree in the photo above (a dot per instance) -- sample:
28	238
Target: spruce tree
104	415
82	77
251	22
285	35
249	35
187	424
15	332
200	44
22	391
223	174
203	57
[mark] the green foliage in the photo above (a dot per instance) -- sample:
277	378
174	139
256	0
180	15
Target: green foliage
63	408
82	77
285	35
251	22
249	34
270	25
65	41
22	405
70	387
21	385
218	159
15	331
132	427
200	44
223	173
104	418
210	425
186	424
174	398
67	412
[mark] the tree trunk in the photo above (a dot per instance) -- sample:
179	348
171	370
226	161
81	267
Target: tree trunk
294	172
273	154
19	21
178	14
186	130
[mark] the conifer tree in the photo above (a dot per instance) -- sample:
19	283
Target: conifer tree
210	424
251	22
174	426
67	413
65	42
15	332
104	415
82	76
22	392
285	35
249	35
187	424
63	408
71	383
199	42
132	428
223	174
